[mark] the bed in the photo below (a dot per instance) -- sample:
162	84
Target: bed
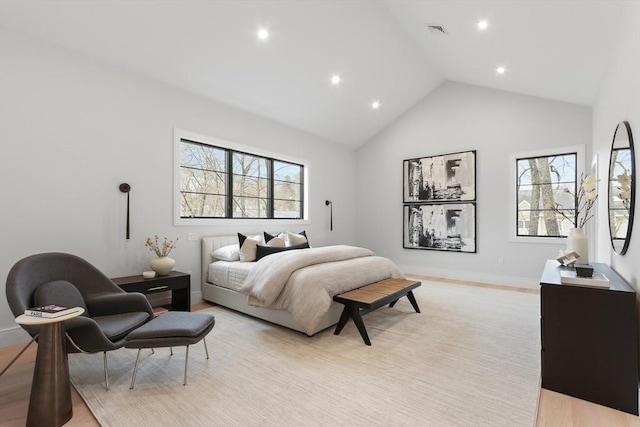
227	283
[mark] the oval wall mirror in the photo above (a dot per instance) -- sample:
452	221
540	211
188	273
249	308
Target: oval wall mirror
622	183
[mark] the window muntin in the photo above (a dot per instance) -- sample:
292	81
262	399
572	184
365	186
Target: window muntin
218	182
540	184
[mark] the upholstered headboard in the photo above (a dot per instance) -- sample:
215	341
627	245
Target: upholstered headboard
210	244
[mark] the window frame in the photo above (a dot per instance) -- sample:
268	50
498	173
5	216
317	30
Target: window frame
181	134
579	150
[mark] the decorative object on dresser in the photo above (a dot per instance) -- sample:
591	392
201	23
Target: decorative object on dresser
567	258
178	283
570	277
583	201
589	339
583	270
578	243
162	264
622	188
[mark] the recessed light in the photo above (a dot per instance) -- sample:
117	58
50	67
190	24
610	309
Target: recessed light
501	70
482	25
263	34
375	105
336	79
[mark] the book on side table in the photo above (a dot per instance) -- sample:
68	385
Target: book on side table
598	280
50	311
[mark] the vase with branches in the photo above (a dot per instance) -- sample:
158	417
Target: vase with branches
584	199
162	264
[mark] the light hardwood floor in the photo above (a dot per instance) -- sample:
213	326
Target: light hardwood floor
554	409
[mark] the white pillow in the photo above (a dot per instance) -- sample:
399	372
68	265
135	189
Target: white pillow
277	242
248	247
227	253
294	239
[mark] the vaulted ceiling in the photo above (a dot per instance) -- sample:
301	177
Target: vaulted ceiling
382	51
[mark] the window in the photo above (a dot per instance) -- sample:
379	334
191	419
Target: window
217	181
541	183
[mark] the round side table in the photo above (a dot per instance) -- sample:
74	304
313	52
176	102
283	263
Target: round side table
50	401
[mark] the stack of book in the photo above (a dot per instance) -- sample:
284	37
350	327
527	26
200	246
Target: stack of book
50	311
598	280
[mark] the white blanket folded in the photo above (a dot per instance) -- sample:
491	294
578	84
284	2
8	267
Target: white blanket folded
304	282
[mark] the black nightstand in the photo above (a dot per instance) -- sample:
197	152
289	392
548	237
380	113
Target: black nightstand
178	283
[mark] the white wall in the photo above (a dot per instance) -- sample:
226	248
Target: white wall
458	117
618	100
72	129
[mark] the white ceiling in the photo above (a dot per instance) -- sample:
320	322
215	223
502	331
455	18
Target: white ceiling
382	50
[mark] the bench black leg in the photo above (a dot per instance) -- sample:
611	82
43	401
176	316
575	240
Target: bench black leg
357	319
343	320
413	301
351	311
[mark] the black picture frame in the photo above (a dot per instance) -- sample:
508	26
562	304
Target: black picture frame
441	178
446	227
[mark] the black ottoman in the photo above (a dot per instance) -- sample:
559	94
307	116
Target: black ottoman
171	329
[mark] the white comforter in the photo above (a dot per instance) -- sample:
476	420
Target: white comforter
303	282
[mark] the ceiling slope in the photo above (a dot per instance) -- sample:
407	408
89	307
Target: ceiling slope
381	50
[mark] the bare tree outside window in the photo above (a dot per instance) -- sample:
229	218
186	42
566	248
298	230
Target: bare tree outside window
203	180
250	186
287	190
217	182
541	183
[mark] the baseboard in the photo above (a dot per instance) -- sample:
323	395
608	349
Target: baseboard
13	336
468	276
196	297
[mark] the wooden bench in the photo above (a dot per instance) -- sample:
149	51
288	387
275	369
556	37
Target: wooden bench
361	301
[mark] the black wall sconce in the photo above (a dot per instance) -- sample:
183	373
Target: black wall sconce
126	188
330	204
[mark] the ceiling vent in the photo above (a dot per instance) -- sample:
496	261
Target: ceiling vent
437	29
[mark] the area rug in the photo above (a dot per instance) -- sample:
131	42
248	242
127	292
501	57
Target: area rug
471	358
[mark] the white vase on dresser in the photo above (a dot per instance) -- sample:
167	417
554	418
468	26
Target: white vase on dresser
578	242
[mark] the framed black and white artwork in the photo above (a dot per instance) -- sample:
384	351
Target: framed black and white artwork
444	178
440	226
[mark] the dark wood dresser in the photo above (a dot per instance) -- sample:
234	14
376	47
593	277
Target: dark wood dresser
590	339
